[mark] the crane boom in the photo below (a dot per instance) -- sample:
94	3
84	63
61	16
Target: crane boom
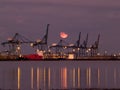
44	40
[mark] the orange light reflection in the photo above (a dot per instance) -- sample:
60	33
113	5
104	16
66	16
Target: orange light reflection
64	77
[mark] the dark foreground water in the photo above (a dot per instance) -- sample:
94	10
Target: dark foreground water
46	75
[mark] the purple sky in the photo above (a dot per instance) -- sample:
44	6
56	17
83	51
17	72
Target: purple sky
29	18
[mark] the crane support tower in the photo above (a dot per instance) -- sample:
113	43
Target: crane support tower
14	44
94	47
42	44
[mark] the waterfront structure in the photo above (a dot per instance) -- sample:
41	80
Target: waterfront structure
60	50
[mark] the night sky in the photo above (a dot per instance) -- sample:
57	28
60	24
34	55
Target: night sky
30	17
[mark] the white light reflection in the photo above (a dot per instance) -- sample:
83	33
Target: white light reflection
73	78
32	71
44	78
115	77
98	75
49	80
38	78
79	84
88	77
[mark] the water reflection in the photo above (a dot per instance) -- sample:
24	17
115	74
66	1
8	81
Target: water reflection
79	78
88	77
32	78
62	77
19	73
98	77
106	77
38	78
73	77
49	79
115	75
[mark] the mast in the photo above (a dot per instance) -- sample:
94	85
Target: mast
45	38
78	41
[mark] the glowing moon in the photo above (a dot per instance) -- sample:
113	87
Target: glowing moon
63	35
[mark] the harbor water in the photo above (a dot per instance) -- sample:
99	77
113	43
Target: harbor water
46	75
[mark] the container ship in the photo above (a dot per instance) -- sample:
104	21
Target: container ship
57	51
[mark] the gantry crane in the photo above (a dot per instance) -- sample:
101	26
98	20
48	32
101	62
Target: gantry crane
60	48
94	47
42	44
75	47
83	47
77	44
14	44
